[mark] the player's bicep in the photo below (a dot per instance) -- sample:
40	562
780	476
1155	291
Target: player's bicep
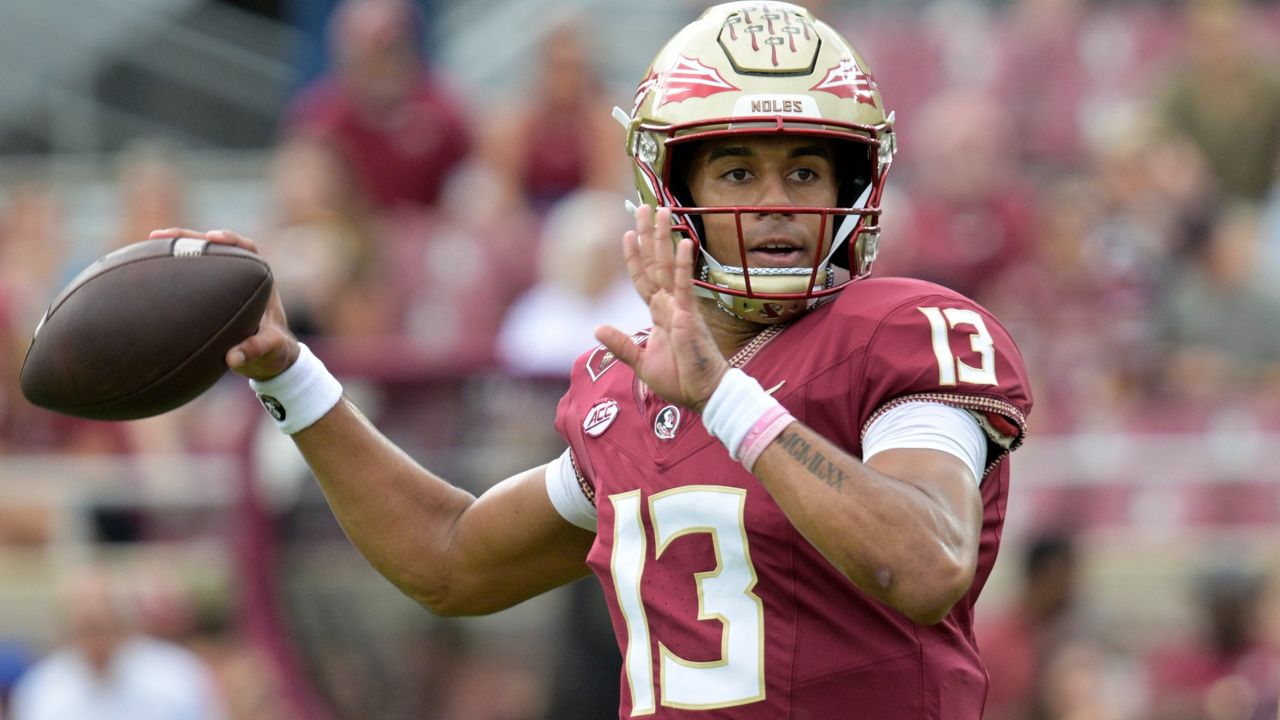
512	544
945	479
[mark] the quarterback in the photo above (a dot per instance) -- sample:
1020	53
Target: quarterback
792	486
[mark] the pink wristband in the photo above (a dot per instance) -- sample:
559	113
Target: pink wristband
768	427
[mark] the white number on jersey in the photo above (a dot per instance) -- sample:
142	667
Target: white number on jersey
951	368
724	594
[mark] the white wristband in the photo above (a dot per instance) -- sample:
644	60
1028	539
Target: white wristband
300	395
734	408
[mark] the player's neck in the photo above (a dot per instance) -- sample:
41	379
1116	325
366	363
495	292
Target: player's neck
730	333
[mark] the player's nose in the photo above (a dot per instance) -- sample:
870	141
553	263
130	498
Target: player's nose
775	193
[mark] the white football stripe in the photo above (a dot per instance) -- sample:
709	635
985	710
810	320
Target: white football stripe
189	247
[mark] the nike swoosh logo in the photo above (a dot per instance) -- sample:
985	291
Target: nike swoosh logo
771	390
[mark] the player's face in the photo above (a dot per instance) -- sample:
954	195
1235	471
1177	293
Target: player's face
766	170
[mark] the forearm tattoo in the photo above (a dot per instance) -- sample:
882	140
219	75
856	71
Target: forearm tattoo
812	460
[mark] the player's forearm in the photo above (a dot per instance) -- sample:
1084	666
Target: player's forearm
396	513
452	552
890	537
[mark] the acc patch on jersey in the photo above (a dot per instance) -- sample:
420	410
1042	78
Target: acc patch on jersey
600	417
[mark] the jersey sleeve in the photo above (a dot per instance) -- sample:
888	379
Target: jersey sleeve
929	426
571	413
569	492
944	348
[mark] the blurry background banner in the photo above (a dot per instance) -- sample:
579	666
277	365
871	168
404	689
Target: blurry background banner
439	186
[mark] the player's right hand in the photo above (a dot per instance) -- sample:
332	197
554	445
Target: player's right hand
272	349
679	361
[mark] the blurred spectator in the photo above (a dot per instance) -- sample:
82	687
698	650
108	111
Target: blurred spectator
1018	645
1222	330
582	284
310	19
1080	315
1271	240
970	213
1083	681
382	108
152	190
1042	80
558	136
1223	673
15	659
322	246
33	252
1156	187
459	268
107	671
1225	97
1269	630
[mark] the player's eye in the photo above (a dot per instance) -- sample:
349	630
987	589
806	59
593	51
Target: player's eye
804	175
737	175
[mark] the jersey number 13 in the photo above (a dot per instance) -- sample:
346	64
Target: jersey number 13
724	594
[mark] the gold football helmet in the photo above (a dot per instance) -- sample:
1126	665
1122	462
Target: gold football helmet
765	68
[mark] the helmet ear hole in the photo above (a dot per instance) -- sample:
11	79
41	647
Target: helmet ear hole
678	183
854	173
677	179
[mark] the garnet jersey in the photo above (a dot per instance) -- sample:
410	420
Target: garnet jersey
721	608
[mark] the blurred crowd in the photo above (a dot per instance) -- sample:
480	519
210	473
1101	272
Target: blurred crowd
1104	177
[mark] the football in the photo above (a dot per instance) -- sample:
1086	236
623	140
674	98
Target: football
145	329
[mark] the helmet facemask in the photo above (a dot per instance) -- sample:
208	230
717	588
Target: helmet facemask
778	294
710	82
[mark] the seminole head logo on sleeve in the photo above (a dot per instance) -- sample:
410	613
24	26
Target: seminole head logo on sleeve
764	68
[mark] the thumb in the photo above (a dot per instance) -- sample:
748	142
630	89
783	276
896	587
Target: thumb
618	343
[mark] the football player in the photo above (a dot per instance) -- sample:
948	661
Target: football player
792	487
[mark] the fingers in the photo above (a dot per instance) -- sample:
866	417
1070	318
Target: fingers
618	343
654	246
225	237
660	308
635	266
662	260
682	272
254	348
644	246
232	238
264	355
176	232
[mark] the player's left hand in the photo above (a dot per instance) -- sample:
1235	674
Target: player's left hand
680	360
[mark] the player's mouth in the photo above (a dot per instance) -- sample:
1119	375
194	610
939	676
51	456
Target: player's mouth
776	253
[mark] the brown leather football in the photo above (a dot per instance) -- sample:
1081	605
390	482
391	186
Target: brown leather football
145	329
